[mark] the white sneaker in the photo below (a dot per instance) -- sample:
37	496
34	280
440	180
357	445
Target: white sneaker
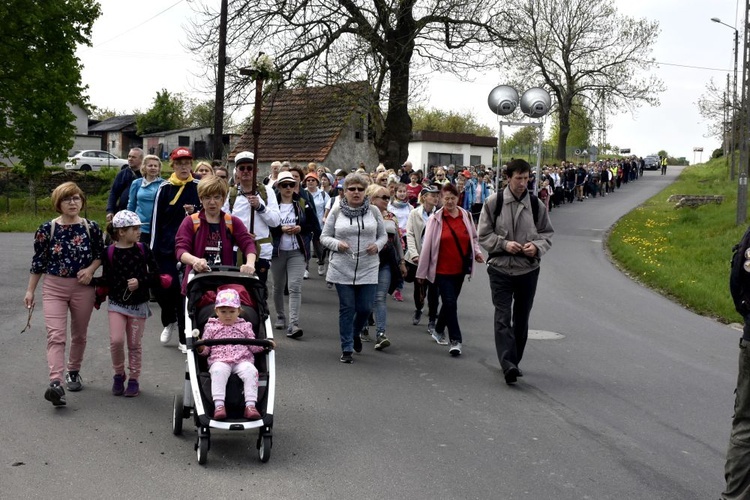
321	269
166	334
306	276
182	347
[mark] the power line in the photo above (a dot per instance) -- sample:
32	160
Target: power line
691	67
138	25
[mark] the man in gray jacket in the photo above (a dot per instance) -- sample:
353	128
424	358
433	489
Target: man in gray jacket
515	236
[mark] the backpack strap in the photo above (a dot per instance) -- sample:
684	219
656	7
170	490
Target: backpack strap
233	192
533	199
197	222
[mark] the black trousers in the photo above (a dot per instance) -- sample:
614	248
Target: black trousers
513	297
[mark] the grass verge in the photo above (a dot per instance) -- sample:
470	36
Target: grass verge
684	253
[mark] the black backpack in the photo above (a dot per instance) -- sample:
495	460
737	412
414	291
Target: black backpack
739	278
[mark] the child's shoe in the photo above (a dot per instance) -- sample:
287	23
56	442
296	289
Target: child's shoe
220	413
133	389
397	296
118	386
251	413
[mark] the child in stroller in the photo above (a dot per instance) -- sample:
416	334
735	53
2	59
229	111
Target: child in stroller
223	360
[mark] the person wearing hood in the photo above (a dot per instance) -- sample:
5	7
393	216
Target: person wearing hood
354	231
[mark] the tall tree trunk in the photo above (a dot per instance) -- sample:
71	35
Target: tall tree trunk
393	144
563	114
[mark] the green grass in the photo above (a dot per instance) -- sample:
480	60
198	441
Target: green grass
684	253
22	219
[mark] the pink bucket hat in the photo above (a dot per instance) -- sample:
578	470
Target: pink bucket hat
227	298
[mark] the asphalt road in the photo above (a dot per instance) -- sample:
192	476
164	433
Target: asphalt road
633	402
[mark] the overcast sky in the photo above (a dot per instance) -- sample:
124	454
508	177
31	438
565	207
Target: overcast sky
138	50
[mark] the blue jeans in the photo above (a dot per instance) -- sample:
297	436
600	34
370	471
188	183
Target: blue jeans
449	287
355	304
381	298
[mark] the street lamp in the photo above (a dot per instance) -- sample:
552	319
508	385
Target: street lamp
734	95
535	103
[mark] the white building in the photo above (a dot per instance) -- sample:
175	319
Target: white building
428	149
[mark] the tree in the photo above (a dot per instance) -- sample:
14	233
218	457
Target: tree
167	113
583	49
581	126
715	106
333	41
450	121
201	114
40	76
521	142
101	114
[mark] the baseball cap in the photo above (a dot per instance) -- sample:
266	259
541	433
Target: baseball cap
430	189
312	175
244	157
339	172
181	153
466	174
125	218
227	298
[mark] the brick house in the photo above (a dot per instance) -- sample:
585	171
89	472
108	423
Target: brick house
329	125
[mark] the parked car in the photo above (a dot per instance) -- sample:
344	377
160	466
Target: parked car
92	160
652	162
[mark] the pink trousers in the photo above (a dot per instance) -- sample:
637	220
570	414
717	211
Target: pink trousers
60	295
220	373
124	328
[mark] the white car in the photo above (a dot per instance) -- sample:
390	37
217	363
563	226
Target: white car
92	160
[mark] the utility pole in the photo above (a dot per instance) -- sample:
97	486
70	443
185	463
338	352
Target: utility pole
744	125
218	146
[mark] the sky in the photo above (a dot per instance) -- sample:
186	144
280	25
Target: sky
138	48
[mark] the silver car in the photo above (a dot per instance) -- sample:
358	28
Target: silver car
92	160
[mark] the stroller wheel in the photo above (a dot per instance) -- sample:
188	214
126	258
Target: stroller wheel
201	448
264	448
177	414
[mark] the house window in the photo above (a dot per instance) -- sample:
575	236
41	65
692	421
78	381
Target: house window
475	160
359	132
445	159
183	140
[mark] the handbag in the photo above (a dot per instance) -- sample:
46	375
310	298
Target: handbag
465	258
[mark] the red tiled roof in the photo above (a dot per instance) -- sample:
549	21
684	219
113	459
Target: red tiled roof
303	124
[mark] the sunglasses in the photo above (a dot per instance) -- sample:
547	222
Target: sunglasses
245	168
287	185
353	189
385	198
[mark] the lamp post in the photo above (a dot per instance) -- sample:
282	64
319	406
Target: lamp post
535	103
734	95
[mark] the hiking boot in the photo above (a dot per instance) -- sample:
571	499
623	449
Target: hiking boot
280	323
166	334
381	342
397	296
416	318
55	394
321	269
294	332
133	390
220	413
251	413
439	338
73	381
357	343
346	357
118	385
455	349
364	335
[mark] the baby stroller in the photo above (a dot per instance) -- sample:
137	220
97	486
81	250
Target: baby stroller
196	400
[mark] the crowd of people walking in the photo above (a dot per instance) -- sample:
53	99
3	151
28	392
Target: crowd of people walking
372	235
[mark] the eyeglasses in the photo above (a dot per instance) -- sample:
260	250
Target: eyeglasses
287	185
222	177
358	189
385	198
72	199
243	168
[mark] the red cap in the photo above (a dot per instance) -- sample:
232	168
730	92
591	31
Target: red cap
181	153
466	174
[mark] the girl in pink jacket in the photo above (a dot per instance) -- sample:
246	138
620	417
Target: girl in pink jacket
223	360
